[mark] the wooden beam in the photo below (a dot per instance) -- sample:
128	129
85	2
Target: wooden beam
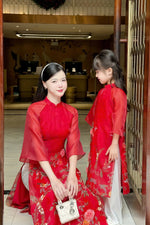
117	27
1	119
146	119
55	19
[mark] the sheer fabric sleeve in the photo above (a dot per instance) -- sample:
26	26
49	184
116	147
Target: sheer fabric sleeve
119	111
33	144
90	116
74	146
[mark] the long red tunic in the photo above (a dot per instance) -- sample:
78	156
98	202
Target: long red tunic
107	116
46	130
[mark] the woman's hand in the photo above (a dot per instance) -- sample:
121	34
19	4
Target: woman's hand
113	152
113	148
59	189
72	185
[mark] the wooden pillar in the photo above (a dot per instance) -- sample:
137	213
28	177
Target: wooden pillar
146	119
1	118
117	27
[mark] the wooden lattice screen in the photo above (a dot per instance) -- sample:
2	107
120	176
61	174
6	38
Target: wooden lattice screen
135	88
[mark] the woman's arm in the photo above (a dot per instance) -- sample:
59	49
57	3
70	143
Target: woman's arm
58	187
118	121
74	146
72	181
74	151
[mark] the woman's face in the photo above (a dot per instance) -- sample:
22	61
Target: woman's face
56	85
104	76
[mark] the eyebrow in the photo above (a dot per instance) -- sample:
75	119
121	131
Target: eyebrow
58	79
54	79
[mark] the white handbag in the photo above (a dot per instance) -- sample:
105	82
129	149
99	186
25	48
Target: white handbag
67	211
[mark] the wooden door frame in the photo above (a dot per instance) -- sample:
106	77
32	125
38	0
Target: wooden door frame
117	27
1	118
146	118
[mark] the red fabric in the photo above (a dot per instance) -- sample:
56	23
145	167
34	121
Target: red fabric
107	116
47	127
19	196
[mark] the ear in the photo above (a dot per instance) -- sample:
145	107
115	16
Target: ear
44	84
110	72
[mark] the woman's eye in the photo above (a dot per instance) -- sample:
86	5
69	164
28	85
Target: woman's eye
64	79
53	81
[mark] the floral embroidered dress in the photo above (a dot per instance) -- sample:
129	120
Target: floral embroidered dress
46	130
107	116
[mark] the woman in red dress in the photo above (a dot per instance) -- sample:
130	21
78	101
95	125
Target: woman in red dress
49	171
107	160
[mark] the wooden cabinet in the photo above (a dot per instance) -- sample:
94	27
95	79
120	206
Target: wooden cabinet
27	81
80	82
25	84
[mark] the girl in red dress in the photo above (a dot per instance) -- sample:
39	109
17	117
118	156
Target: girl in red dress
49	171
107	159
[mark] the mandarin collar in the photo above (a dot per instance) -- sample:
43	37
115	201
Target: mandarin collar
110	85
51	103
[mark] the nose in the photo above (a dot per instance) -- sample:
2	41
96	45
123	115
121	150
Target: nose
60	83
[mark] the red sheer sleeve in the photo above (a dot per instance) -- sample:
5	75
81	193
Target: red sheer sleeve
74	146
33	144
119	110
90	116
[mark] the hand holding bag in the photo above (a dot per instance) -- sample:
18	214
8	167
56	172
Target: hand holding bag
67	211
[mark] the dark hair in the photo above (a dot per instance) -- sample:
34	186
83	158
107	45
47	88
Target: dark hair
47	72
107	59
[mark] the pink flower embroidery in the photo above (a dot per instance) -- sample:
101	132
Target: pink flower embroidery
62	153
88	216
91	132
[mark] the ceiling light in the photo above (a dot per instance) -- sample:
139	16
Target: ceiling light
54	36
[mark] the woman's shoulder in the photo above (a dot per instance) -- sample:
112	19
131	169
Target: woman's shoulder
70	108
118	94
36	107
118	91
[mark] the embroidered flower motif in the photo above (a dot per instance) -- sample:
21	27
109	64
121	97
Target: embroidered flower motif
62	153
109	194
99	206
41	211
88	216
91	132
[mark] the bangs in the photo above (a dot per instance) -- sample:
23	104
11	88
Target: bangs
97	64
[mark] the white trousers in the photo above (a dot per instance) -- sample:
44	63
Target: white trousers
25	175
113	205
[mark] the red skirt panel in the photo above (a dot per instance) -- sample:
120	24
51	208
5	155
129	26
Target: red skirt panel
42	201
100	172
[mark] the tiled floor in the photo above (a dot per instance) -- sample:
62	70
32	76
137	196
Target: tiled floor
14	129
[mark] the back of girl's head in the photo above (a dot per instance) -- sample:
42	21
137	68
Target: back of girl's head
107	59
47	72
